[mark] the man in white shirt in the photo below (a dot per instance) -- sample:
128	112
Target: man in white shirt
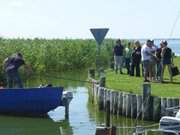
153	61
146	57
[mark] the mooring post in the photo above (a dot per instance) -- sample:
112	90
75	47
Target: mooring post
146	101
108	113
113	130
67	97
102	81
139	130
66	109
91	73
101	99
156	108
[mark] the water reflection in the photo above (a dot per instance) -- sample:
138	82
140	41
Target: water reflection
64	79
125	126
83	116
27	126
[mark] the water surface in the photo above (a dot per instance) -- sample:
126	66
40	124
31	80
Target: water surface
83	117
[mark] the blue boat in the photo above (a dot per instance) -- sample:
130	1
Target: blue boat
30	101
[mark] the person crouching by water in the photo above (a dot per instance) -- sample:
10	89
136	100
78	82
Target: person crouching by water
11	66
118	56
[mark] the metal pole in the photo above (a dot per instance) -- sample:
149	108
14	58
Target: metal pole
98	58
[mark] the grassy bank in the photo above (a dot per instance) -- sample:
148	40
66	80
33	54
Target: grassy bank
134	84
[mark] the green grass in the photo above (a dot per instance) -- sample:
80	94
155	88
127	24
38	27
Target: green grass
134	84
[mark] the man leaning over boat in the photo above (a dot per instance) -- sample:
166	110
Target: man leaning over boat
11	66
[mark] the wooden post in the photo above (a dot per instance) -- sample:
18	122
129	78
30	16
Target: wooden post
176	103
92	92
108	113
101	99
105	98
163	106
133	106
102	131
146	101
124	105
66	108
102	81
169	112
115	110
112	102
120	103
128	105
139	130
146	90
91	73
139	106
113	130
156	108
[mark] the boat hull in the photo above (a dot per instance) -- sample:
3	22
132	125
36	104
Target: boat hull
30	101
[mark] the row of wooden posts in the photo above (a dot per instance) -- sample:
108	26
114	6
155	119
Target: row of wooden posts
144	106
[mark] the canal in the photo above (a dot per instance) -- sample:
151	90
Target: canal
83	118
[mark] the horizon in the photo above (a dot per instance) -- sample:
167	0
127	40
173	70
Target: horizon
24	38
66	19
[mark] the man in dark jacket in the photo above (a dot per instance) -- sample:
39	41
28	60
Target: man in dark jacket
11	66
166	59
118	56
136	59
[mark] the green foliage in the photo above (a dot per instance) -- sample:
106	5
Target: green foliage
56	54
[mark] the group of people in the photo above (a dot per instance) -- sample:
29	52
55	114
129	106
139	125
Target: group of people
154	59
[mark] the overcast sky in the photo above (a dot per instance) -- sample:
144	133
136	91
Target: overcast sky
73	18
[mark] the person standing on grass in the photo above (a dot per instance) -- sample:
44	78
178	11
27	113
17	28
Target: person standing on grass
166	56
11	66
118	56
128	53
146	57
158	62
152	63
136	59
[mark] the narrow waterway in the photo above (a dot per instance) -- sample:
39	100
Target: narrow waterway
83	118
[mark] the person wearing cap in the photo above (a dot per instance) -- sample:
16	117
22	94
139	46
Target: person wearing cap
11	66
166	56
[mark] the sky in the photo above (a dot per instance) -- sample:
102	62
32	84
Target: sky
73	18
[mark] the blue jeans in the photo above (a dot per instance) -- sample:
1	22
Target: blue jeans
137	67
12	78
127	61
158	70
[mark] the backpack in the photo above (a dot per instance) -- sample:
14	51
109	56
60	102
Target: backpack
7	64
167	53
